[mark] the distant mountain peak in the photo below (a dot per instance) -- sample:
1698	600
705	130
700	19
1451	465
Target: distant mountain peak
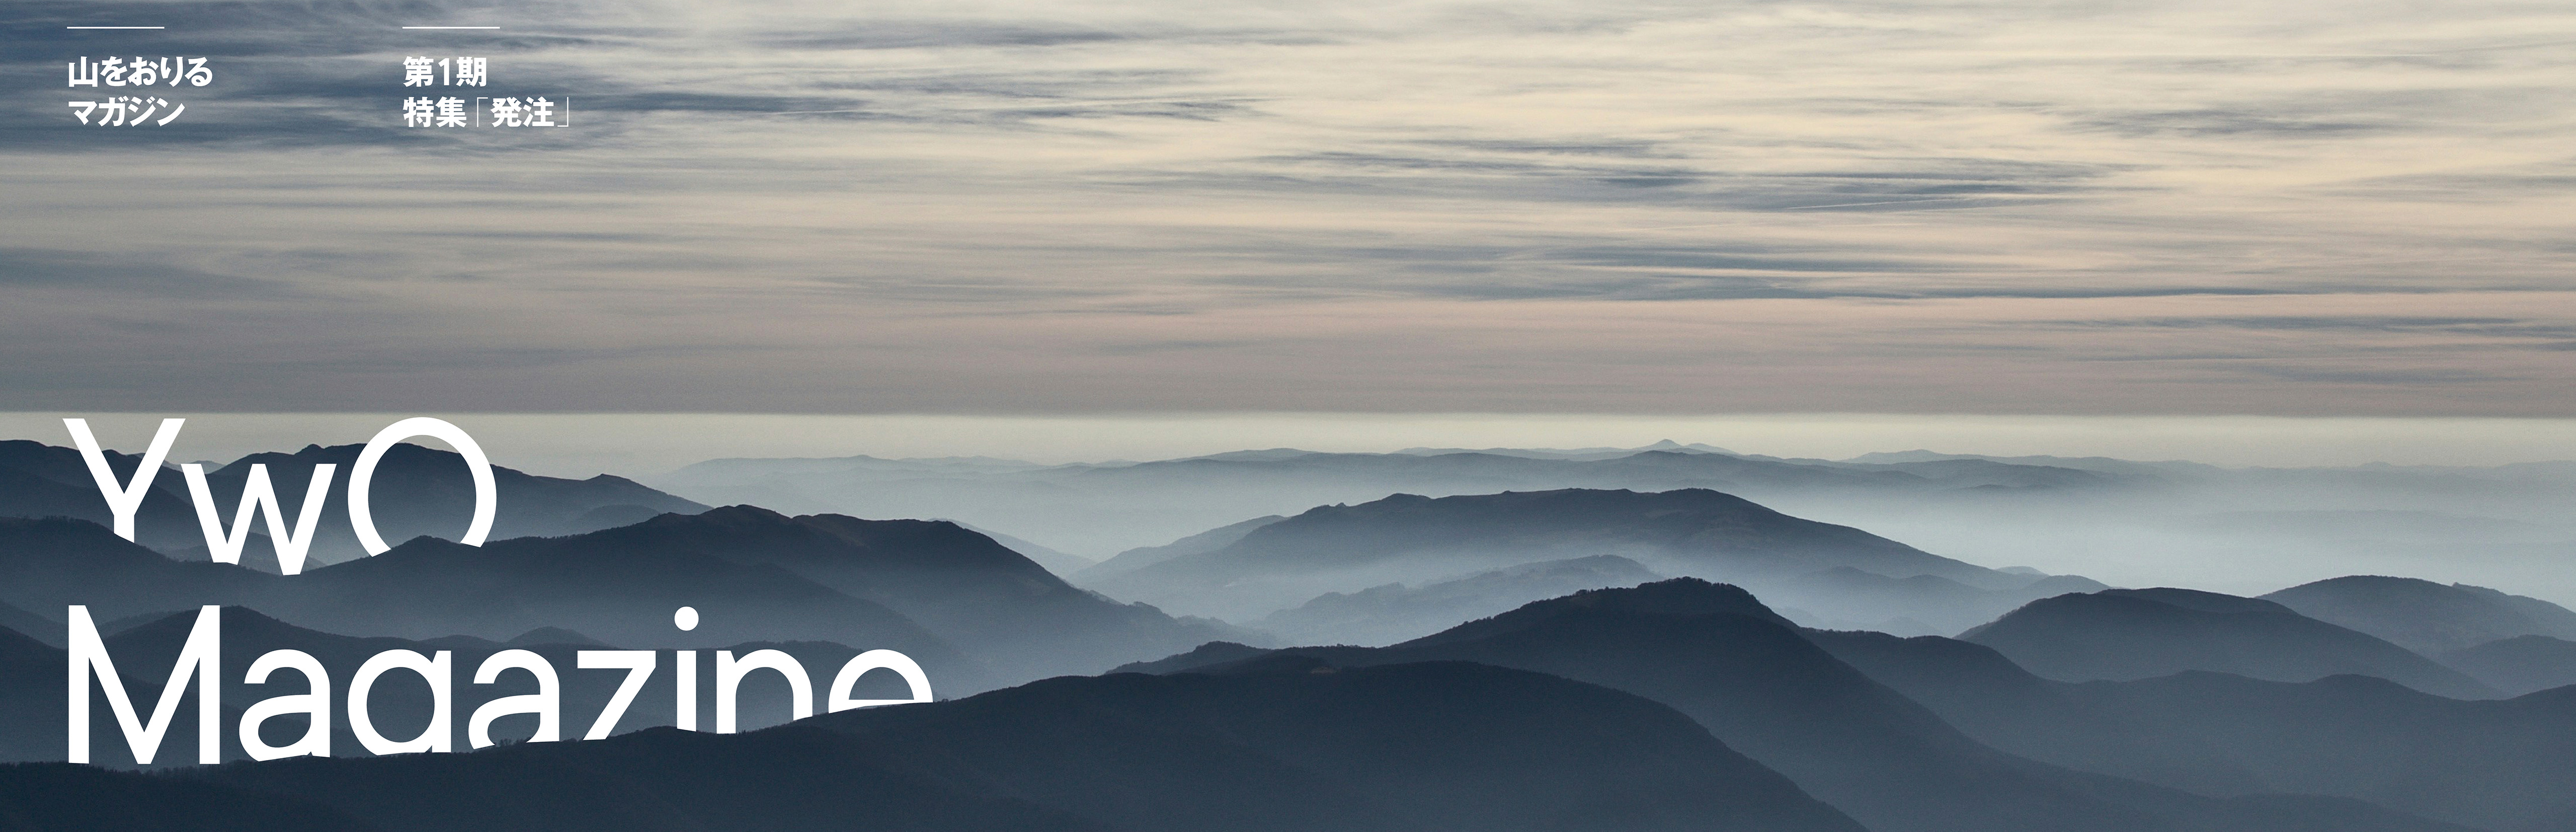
2426	616
2123	635
1672	597
744	513
1409	538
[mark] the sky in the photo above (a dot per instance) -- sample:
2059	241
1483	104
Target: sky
1070	210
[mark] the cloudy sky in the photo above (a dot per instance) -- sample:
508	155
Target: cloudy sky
2142	208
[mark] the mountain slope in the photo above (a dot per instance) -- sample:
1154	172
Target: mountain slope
944	595
1763	690
2507	764
1406	537
1717	654
994	603
415	491
2487	764
31	687
425	491
38	627
2424	616
54	563
1144	556
1394	612
2122	635
61	796
428	588
1986	696
31	698
2518	665
40	480
1418	747
1060	563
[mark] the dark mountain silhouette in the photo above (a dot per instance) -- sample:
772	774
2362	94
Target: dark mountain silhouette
39	627
50	564
1990	698
1718	655
31	698
2484	764
603	587
427	588
1060	563
2123	634
46	797
416	491
1285	746
1206	655
997	605
1144	556
2488	764
40	480
2507	764
31	686
2424	616
1395	612
425	491
2517	665
1405	537
960	603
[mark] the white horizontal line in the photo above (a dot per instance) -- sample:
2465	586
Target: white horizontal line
114	27
451	27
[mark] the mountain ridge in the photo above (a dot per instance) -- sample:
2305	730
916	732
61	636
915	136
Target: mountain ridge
2125	635
1715	653
1685	531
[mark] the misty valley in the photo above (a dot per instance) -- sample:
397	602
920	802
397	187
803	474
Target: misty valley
1672	637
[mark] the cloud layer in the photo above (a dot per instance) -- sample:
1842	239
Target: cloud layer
2174	207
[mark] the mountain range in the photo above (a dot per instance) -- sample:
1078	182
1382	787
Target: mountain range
1511	660
1899	735
1144	556
972	612
2424	616
1394	612
144	650
1759	685
1098	509
2517	665
415	491
988	599
2130	634
1409	538
2496	765
34	626
1282	746
2120	521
